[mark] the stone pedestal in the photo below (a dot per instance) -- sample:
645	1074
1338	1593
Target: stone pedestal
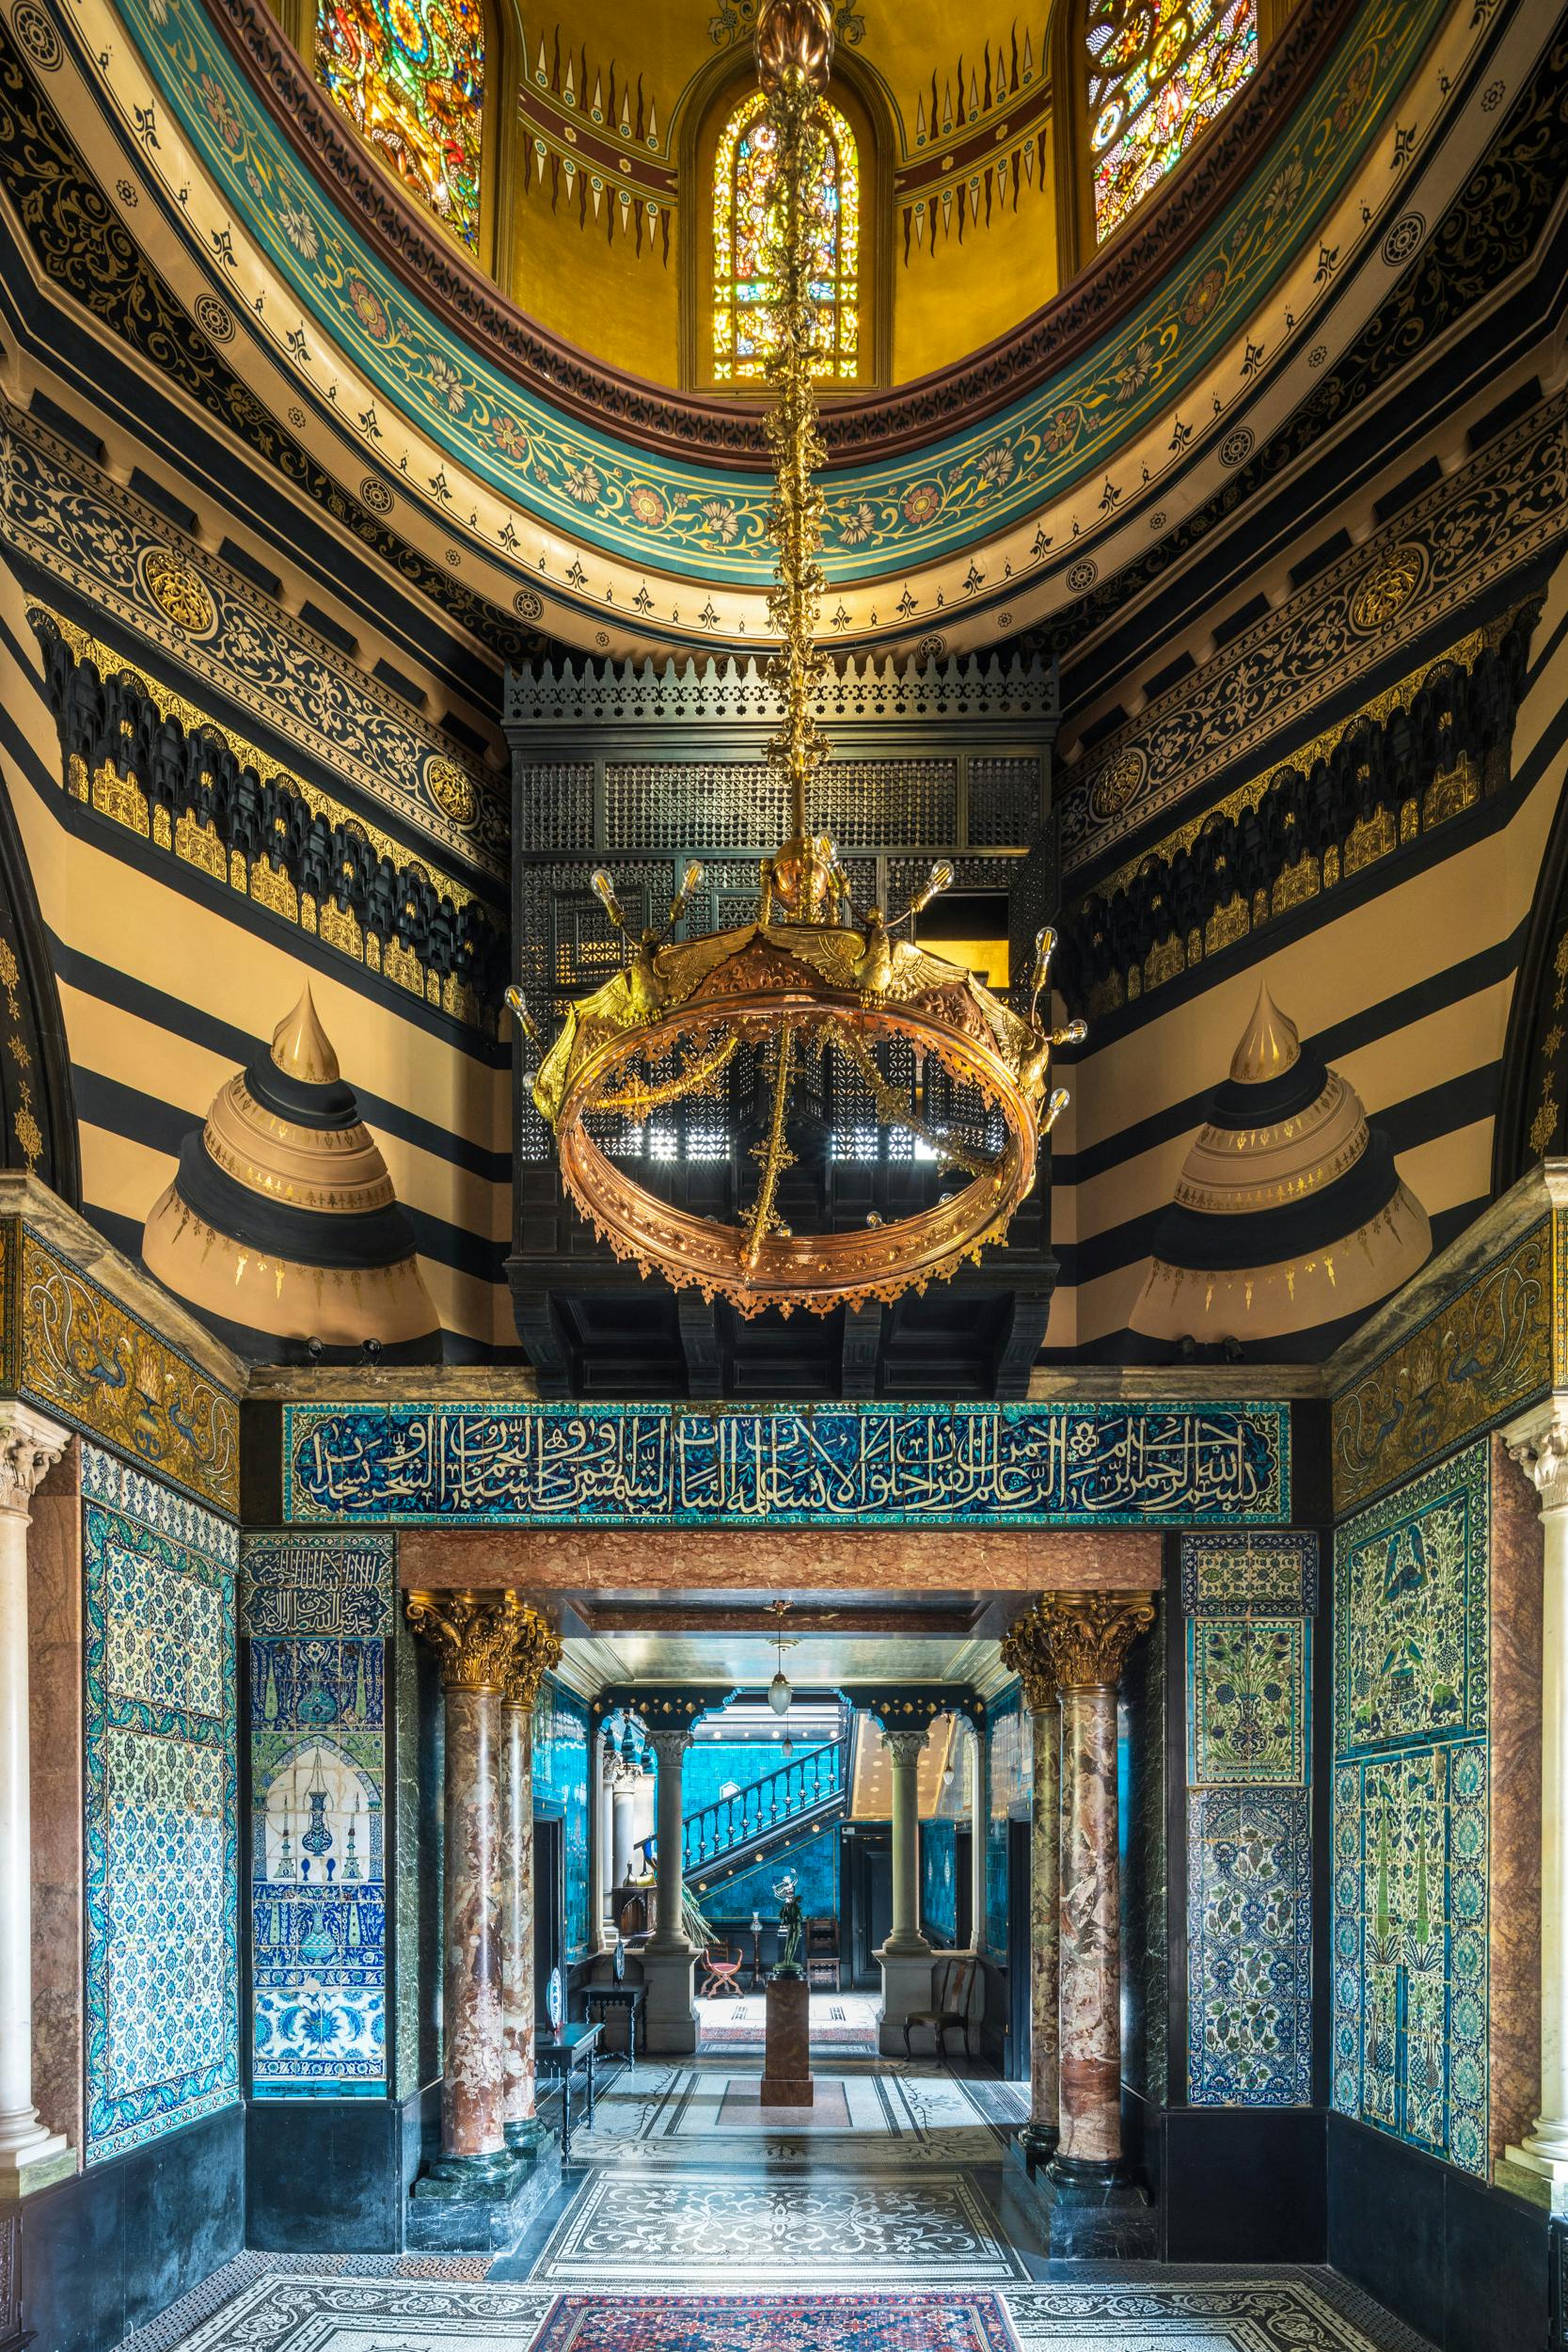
460	2207
786	2067
672	2019
906	1991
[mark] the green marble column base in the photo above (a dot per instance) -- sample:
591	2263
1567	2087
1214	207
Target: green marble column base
1038	2143
480	2204
527	2132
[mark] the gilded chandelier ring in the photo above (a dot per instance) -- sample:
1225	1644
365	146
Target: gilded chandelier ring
816	1272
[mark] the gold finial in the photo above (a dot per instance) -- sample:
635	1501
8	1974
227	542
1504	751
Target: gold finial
1270	1045
301	1048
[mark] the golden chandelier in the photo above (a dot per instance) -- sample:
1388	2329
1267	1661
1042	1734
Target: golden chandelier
807	979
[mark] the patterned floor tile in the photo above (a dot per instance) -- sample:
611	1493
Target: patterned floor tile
716	2228
1203	2312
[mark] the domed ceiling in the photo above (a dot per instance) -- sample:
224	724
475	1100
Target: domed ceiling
621	516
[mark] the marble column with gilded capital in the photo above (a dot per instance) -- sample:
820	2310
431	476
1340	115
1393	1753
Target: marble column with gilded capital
31	2155
1086	1637
474	1635
536	1647
1027	1652
668	1955
905	1750
1539	1443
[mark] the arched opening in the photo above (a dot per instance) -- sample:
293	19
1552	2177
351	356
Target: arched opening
424	83
732	280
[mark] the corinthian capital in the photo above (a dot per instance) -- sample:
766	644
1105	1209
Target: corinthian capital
29	1448
1539	1443
905	1747
535	1648
1027	1652
471	1633
1089	1634
670	1745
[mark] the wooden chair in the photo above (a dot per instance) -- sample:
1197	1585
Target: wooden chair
721	1968
822	1952
954	1979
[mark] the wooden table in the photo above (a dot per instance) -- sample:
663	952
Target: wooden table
570	2051
633	1998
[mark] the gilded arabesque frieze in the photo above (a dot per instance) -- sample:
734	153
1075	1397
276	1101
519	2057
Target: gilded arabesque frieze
85	1359
98	537
1477	1358
1411	760
1465	533
156	763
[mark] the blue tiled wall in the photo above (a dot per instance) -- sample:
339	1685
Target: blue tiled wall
939	1879
561	1777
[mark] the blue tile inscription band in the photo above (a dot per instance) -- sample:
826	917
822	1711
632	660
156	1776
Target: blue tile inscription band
613	1465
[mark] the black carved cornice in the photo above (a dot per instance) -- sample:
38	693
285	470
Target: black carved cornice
109	722
1385	784
727	432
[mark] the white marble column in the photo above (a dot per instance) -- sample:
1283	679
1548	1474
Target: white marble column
623	1823
603	1839
906	1957
978	1827
31	2155
668	1957
1539	1443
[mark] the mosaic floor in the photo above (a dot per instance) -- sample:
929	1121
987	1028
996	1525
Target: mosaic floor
892	2219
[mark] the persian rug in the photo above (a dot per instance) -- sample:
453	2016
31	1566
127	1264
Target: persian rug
948	2322
700	2228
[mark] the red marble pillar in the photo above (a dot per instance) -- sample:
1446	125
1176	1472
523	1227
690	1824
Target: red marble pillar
1087	1636
473	1634
536	1648
1027	1651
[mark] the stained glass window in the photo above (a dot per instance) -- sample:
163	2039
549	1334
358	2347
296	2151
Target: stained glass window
745	258
1158	70
410	76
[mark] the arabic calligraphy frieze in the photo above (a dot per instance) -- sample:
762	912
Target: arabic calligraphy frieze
611	1466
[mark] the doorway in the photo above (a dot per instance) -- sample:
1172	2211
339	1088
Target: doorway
1015	2052
550	1913
867	1878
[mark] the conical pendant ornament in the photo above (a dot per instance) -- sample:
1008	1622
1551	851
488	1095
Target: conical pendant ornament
765	1019
1290	1216
281	1225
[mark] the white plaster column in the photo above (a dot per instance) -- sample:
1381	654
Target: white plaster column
906	1957
31	2155
1539	1444
668	1957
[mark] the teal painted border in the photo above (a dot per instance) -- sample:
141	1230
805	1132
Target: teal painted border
1092	1465
881	519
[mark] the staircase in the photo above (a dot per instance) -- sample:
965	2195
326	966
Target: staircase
726	1837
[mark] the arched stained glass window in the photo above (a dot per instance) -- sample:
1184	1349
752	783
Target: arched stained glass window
410	76
1160	70
745	260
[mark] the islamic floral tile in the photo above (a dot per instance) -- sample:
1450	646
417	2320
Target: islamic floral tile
1410	1611
318	1876
161	1825
1247	1682
317	1609
1410	1958
1411	1821
1230	1575
1249	1941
